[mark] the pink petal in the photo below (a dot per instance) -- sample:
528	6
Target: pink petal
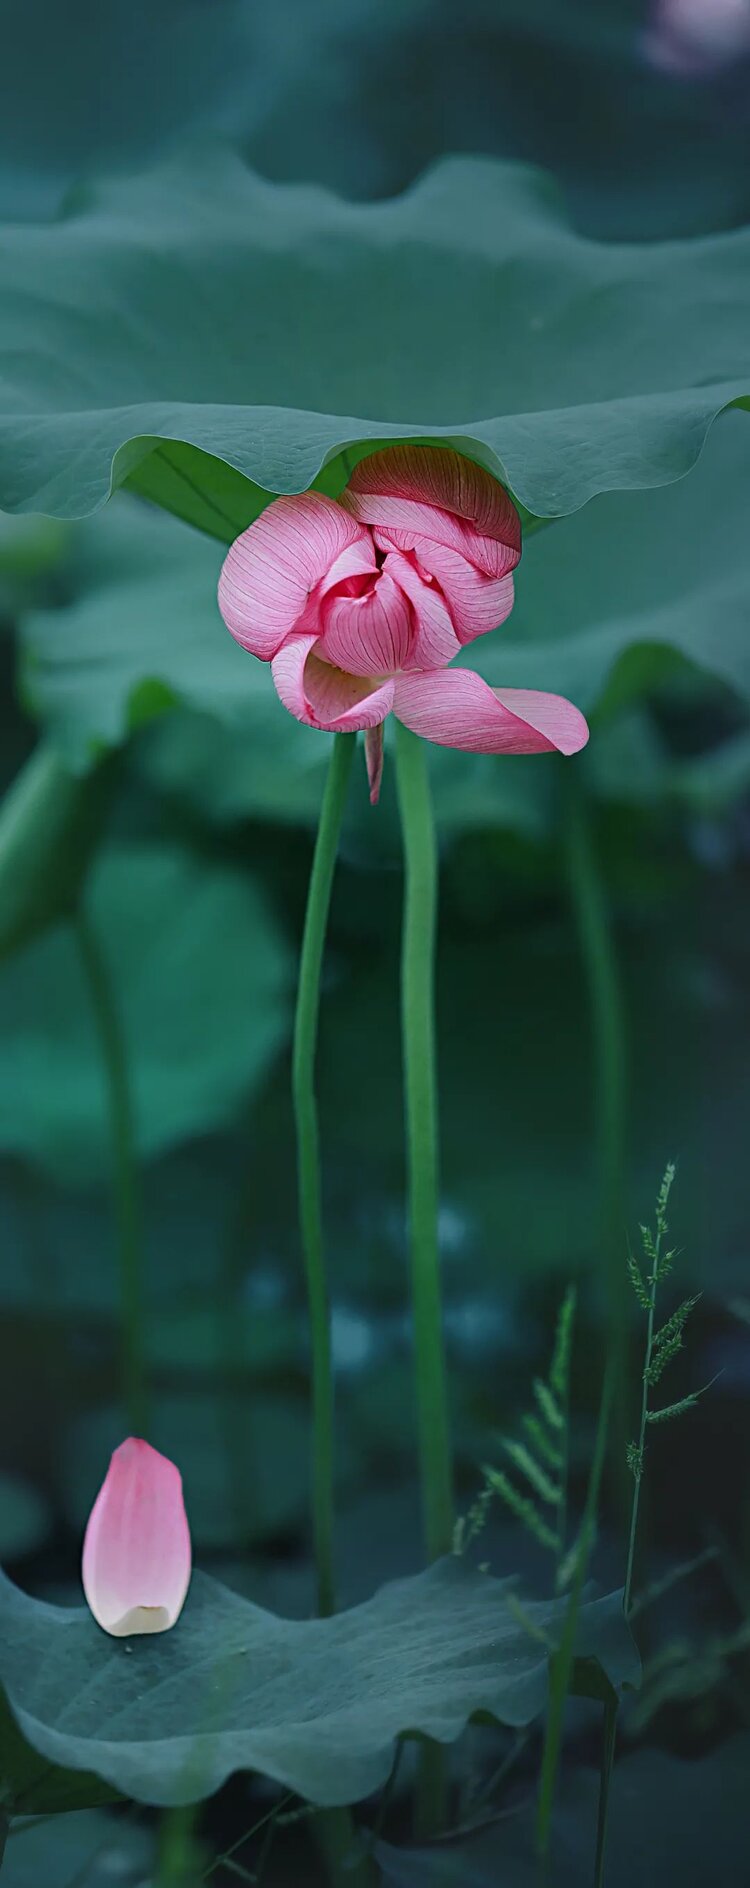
270	570
456	708
357	560
326	697
136	1553
433	492
476	603
434	641
369	634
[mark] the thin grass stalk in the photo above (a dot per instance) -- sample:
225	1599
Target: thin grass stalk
561	1663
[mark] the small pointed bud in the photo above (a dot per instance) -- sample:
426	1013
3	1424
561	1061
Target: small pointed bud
136	1554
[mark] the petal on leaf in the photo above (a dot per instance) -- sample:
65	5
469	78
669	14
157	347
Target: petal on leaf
137	1554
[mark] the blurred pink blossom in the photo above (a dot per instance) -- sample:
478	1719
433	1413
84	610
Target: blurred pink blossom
136	1553
695	38
360	604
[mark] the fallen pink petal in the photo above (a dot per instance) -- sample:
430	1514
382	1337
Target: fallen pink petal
137	1556
360	604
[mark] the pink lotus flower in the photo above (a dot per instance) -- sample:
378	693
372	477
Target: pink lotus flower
360	604
136	1554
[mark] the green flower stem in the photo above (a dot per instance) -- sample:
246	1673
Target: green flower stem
308	1156
4	1832
418	1022
611	1080
108	1024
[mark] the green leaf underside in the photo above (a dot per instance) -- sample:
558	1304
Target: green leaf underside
212	337
314	1704
142	632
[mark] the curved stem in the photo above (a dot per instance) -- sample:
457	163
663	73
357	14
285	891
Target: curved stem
418	1023
605	997
608	1029
106	1016
308	1156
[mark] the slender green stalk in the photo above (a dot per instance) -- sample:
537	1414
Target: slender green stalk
4	1830
178	1854
654	1247
418	1023
308	1157
561	1663
106	1014
608	1028
641	1444
605	1779
652	1282
560	1385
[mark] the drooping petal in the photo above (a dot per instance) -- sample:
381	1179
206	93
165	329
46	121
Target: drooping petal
268	574
456	708
476	603
374	761
369	634
325	697
410	492
136	1553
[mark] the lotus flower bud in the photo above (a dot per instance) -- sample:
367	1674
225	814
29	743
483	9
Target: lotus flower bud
136	1553
361	603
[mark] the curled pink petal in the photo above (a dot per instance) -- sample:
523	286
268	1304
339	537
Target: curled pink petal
432	492
434	640
477	603
325	697
268	574
456	708
357	560
369	633
136	1553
